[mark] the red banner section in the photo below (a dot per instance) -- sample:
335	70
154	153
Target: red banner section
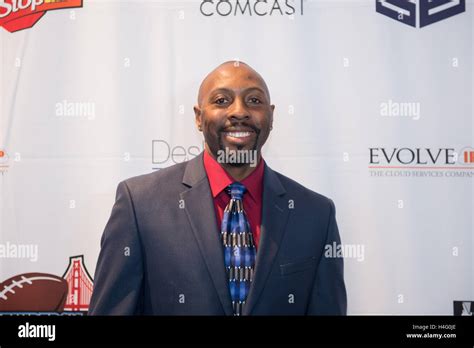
21	14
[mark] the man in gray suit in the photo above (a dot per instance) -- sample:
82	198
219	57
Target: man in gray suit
162	250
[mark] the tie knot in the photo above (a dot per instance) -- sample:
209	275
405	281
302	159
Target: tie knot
236	190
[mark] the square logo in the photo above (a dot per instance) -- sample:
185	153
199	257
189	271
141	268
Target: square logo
463	308
420	13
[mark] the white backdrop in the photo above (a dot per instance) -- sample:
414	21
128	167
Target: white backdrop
130	71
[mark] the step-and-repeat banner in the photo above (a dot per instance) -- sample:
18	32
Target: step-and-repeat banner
374	109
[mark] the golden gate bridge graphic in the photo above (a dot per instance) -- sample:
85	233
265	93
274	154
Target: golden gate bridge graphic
80	285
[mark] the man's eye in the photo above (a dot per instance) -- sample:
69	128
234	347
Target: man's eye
255	100
220	101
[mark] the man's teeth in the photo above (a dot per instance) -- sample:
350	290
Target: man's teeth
238	134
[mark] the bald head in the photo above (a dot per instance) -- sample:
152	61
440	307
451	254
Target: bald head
226	71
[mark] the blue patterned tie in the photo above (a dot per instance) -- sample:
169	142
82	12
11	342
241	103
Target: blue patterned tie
239	248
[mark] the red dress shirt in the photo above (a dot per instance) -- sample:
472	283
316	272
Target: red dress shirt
219	179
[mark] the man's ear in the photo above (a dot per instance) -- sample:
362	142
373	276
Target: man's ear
198	118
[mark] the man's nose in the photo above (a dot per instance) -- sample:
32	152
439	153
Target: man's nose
239	110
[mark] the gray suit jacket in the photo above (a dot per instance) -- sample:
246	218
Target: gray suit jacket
161	253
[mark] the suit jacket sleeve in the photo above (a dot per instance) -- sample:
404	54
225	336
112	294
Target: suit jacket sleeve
119	271
329	293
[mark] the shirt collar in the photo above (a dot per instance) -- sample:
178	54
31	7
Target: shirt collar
219	179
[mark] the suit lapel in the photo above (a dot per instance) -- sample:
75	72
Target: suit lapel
199	207
274	217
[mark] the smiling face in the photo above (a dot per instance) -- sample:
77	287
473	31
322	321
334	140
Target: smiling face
234	109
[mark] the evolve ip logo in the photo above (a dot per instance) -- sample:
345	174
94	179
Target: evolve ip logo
430	11
22	14
416	158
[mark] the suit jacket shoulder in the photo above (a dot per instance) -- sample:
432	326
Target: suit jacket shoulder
314	199
147	189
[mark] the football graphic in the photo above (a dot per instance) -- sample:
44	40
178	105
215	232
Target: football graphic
33	292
